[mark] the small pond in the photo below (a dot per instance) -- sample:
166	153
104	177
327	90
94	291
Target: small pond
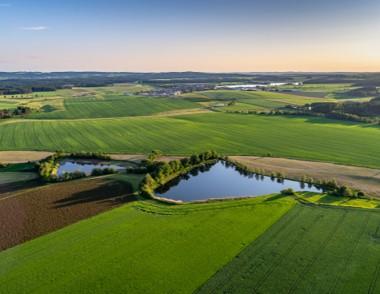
222	180
86	166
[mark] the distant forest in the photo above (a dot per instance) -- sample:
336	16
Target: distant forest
362	109
29	82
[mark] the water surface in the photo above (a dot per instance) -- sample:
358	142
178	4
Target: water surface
85	166
223	180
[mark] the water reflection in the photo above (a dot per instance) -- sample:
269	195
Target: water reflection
223	179
83	166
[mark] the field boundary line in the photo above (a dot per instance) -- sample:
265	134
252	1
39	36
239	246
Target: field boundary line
238	269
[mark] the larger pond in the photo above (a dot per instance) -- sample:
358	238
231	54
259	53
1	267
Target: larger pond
86	166
223	180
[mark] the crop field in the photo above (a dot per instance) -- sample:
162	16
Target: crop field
114	106
258	100
139	247
310	250
117	89
33	213
241	106
293	137
6	104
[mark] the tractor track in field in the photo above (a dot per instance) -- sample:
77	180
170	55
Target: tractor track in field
352	248
318	253
236	270
288	250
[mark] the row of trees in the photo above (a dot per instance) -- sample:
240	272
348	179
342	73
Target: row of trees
9	113
370	108
160	172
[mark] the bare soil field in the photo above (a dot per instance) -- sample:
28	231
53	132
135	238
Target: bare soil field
22	156
130	157
39	211
366	179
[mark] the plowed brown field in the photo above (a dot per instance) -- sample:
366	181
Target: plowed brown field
34	213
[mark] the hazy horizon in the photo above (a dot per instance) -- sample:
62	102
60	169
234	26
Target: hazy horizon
200	36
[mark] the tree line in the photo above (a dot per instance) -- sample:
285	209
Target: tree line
9	113
159	172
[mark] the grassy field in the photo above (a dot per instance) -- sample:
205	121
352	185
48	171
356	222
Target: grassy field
310	250
285	136
140	247
341	201
114	106
6	104
13	177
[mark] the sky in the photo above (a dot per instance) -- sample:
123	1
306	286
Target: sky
190	35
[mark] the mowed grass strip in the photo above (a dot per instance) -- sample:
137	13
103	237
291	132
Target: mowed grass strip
287	136
114	106
140	248
310	250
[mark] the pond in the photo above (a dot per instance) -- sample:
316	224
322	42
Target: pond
223	180
86	166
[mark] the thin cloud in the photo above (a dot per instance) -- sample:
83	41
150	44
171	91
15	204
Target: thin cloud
5	5
39	28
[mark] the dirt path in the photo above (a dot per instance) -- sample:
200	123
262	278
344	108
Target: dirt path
366	179
40	211
22	156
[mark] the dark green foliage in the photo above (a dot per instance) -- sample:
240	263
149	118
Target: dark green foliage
47	167
363	92
103	171
3	165
361	194
70	176
20	110
288	191
150	162
344	191
162	171
355	109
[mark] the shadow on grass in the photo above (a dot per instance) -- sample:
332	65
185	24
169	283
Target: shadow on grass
276	197
112	192
327	121
18	186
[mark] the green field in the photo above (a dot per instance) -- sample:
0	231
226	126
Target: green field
142	247
310	250
284	136
13	177
114	106
6	104
257	100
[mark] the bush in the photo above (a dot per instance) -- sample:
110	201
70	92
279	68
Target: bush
361	194
289	191
104	171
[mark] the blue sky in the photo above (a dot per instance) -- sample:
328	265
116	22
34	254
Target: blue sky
208	35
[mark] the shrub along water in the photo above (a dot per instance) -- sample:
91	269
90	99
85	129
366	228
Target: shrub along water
162	172
48	167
